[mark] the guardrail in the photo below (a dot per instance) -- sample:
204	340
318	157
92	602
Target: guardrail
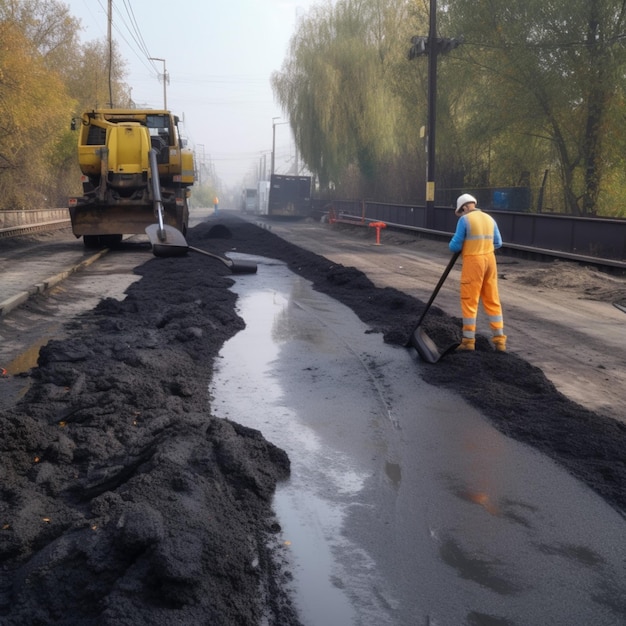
15	222
15	217
579	238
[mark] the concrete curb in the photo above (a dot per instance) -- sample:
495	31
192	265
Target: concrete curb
15	301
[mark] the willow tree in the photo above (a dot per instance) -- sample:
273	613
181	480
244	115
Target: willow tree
333	87
547	80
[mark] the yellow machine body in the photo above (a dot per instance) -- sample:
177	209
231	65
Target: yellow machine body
113	155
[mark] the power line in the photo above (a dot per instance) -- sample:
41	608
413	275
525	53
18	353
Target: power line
229	79
138	47
134	32
139	38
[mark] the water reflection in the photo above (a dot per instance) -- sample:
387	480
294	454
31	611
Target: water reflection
405	506
26	360
312	526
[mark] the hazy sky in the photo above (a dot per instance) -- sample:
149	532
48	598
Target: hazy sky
219	57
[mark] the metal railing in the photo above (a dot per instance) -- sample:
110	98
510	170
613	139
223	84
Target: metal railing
578	238
19	222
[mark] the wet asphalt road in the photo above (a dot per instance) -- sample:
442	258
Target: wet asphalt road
405	506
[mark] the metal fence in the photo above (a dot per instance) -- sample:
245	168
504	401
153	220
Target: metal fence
593	237
14	218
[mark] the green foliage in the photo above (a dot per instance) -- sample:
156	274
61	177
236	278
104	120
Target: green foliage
535	86
555	71
333	87
203	195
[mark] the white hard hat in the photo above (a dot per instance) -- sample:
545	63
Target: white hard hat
464	199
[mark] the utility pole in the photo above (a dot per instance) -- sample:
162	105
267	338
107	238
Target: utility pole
110	61
165	79
274	125
273	143
432	116
431	46
200	164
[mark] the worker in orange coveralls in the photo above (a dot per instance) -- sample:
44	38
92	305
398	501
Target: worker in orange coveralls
476	237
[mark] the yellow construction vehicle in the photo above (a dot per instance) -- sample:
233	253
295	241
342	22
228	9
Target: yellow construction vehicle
126	157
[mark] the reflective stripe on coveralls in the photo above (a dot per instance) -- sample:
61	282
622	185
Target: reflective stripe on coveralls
479	279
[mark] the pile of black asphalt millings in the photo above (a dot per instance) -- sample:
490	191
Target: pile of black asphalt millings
124	501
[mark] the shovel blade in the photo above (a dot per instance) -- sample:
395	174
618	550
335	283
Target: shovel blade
426	347
167	242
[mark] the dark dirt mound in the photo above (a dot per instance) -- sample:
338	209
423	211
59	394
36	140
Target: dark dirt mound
123	501
586	282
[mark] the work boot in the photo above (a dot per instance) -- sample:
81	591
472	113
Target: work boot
466	345
499	343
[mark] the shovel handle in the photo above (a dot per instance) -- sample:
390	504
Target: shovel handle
448	269
236	267
227	262
156	191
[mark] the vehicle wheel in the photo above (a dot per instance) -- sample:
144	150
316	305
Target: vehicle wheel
110	241
91	242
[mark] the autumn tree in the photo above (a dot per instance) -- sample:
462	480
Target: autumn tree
47	77
33	108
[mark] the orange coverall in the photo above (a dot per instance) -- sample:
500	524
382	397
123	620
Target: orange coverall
476	237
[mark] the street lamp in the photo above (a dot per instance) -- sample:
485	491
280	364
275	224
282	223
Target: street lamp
165	80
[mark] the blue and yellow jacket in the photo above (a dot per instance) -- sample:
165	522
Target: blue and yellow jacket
476	233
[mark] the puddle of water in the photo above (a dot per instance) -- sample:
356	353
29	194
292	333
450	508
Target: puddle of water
26	360
404	505
257	403
79	293
319	595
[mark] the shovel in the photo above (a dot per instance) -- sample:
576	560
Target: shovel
175	244
166	240
169	241
236	267
424	345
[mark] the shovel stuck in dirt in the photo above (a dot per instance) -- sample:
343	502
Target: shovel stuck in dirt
236	267
424	345
169	241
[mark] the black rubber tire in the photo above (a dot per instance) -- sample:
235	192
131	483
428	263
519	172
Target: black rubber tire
110	241
91	242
